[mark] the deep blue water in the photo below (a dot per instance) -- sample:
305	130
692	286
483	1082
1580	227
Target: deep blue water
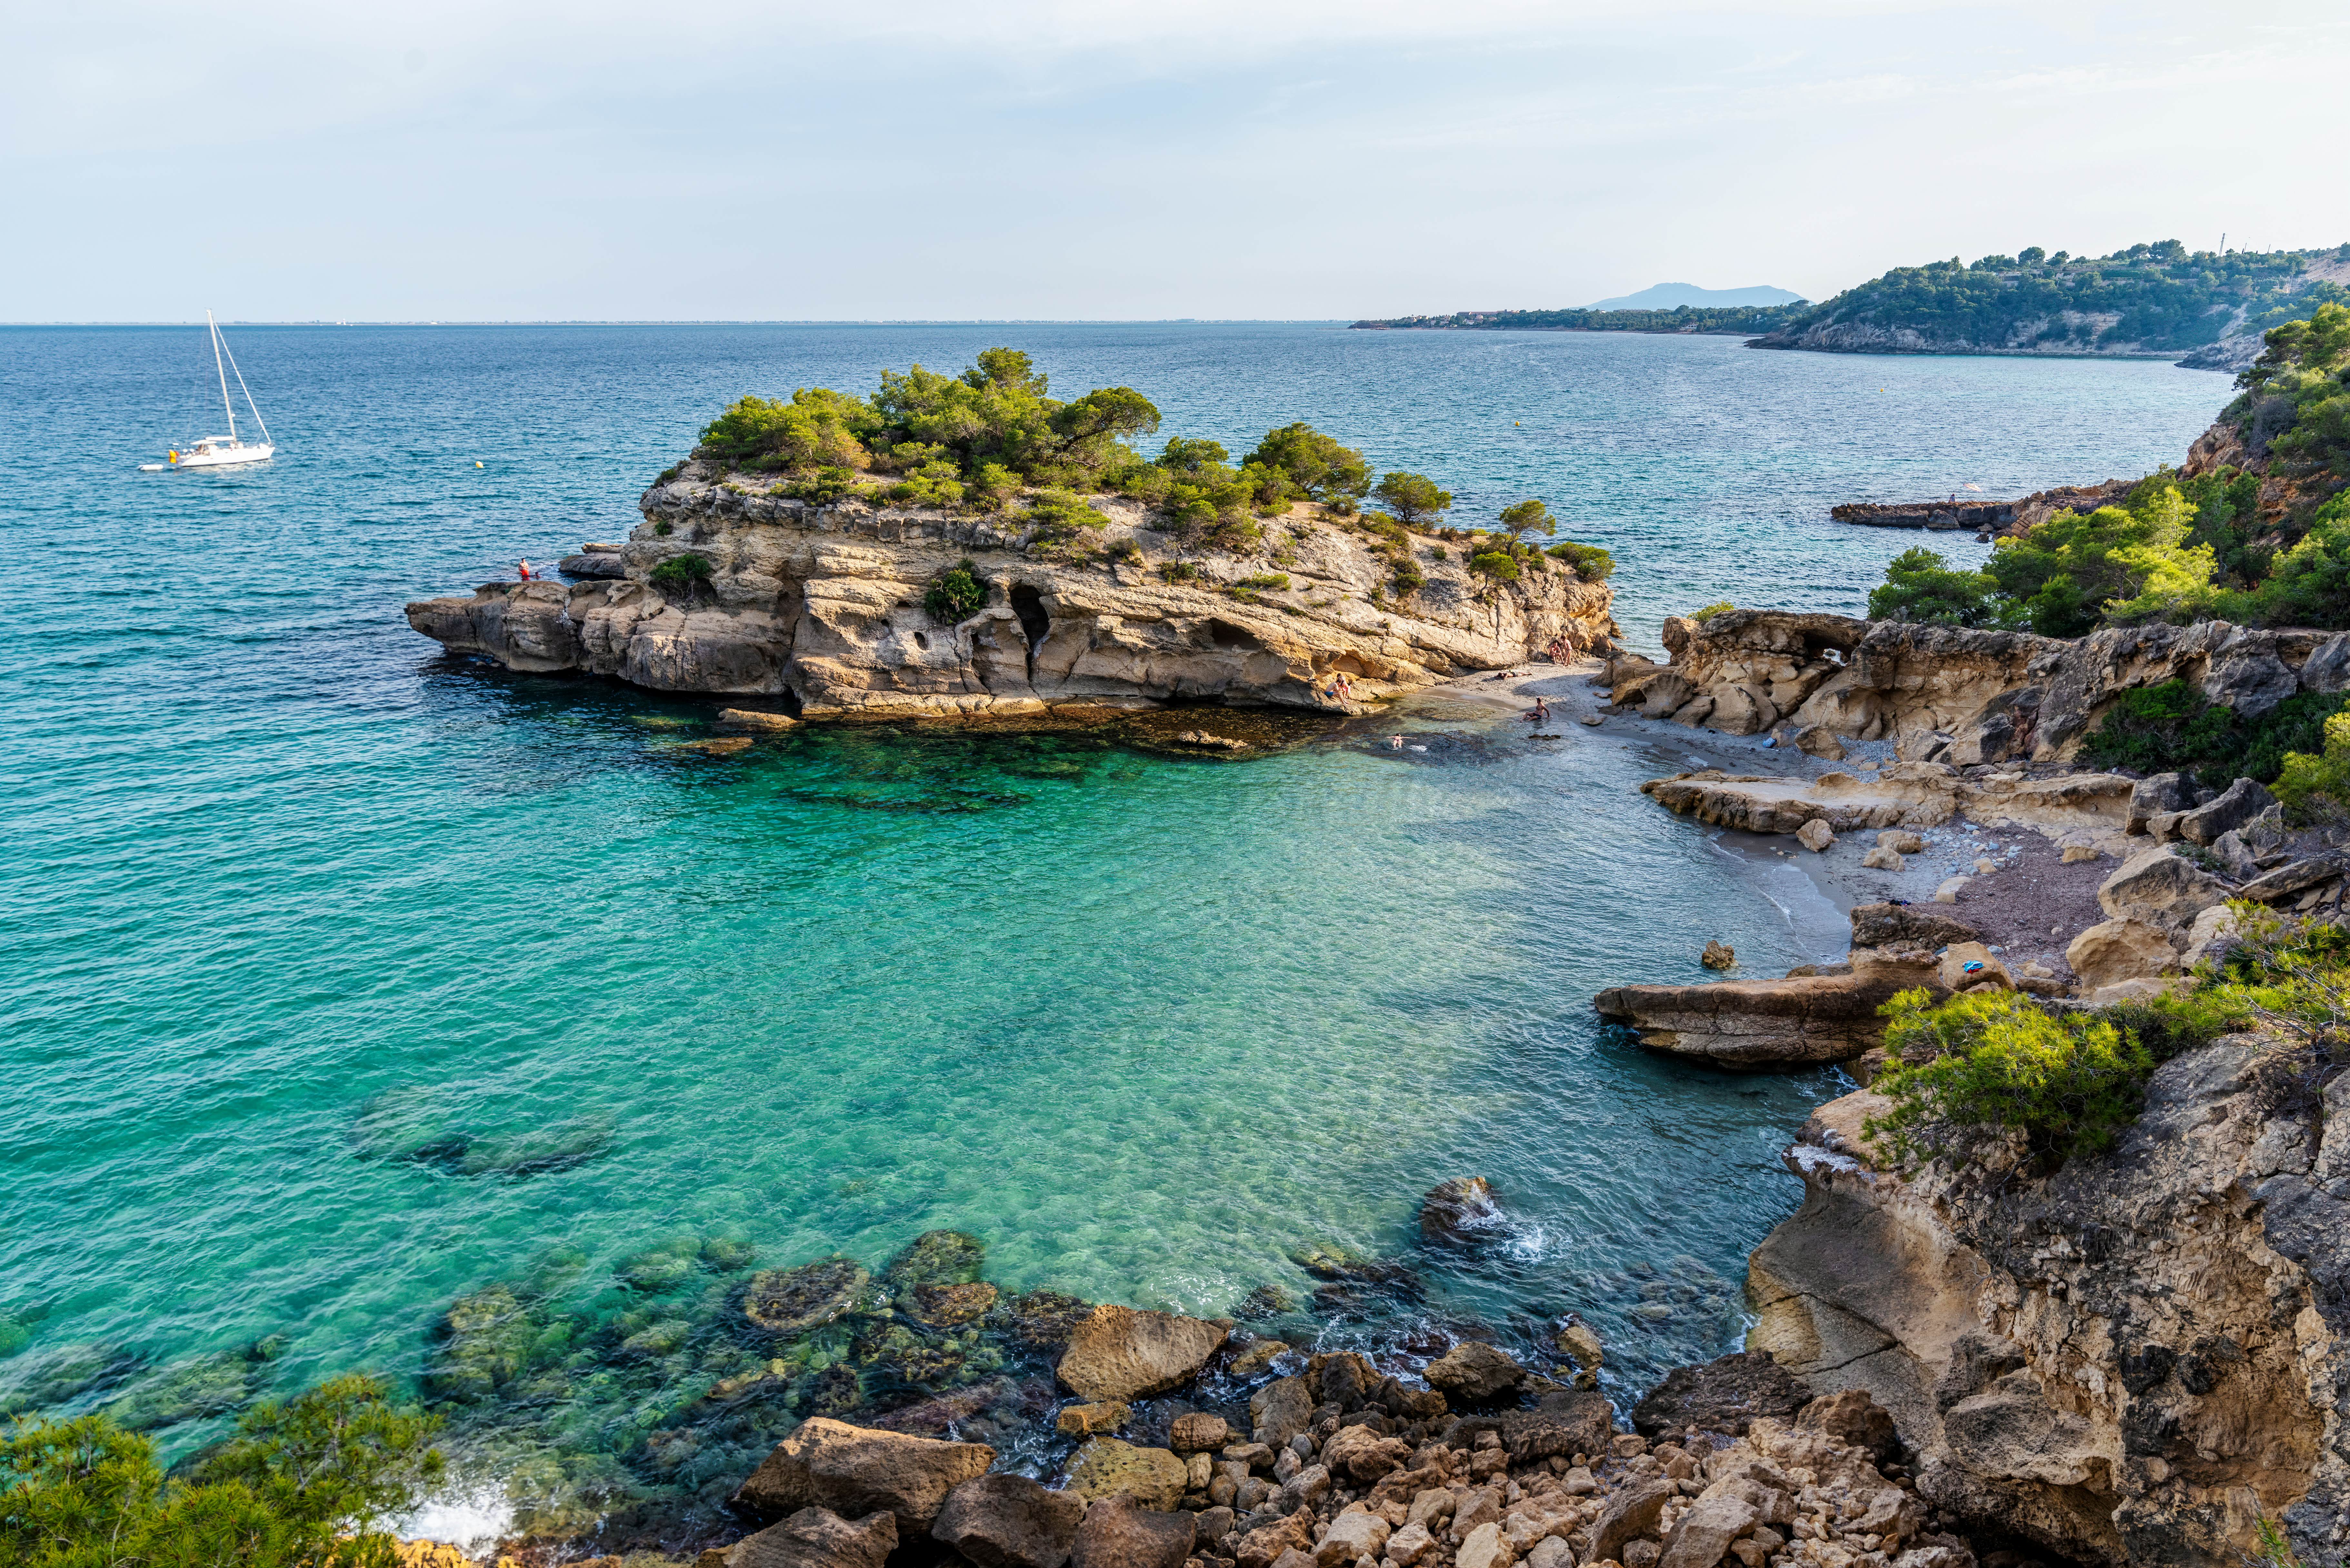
285	895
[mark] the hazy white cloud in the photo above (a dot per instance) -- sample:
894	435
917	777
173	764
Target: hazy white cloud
1209	158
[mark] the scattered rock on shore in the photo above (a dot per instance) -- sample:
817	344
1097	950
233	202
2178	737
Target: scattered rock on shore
1121	1353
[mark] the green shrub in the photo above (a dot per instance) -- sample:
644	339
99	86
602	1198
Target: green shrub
1123	550
1920	585
305	1483
1500	567
2071	1081
2315	788
671	471
1708	612
1313	465
819	427
662	530
1411	496
1056	518
685	571
955	594
1527	517
1276	581
1405	579
824	486
1178	572
2174	727
1589	562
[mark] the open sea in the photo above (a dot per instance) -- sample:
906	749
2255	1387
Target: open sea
345	981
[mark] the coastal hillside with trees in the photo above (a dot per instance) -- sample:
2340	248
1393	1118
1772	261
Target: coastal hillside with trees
1742	319
2255	529
2154	299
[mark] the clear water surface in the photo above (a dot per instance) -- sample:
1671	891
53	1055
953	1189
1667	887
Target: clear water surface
276	876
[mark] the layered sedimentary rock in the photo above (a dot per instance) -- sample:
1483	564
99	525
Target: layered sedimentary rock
1951	694
1769	1024
825	605
2132	1360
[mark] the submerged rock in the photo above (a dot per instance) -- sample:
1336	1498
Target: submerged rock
1470	1374
937	1258
1457	1212
792	1302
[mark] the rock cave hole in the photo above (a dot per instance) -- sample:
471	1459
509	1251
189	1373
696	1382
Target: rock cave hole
1029	605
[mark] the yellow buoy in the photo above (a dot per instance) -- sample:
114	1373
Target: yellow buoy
477	465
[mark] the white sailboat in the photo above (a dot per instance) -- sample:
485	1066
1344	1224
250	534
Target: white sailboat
220	452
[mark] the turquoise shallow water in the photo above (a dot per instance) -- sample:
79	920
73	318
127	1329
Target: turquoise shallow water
286	896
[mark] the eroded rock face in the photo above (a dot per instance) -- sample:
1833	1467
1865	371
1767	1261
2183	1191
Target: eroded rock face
2128	1361
1953	694
1010	1521
818	1538
824	604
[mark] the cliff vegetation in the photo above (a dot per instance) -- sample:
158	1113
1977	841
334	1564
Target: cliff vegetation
2150	299
2260	540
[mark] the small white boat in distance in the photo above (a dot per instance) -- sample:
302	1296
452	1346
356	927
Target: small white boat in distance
220	452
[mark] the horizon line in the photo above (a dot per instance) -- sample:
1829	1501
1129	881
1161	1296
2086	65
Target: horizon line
744	321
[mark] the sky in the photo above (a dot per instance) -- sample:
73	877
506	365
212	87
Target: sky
517	159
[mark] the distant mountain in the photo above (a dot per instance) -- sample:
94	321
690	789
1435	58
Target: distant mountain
1668	296
1742	319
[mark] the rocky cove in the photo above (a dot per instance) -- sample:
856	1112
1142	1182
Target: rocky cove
1983	1364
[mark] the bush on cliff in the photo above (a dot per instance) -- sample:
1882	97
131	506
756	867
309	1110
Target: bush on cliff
1315	465
683	572
2174	727
1500	567
955	594
1920	586
1996	1058
1589	562
304	1484
818	427
2315	786
1412	497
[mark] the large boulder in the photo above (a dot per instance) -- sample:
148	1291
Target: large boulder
1631	1514
1361	1455
1726	1395
1579	1422
2160	887
818	1538
1117	1533
1470	1374
855	1470
1457	1212
1001	1521
1907	925
2159	794
2242	802
2115	950
1280	1410
1262	1545
1701	1537
1118	1352
1107	1467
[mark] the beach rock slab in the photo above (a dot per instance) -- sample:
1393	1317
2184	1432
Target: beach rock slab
1197	1431
1119	1533
856	1471
1260	1546
1118	1352
1701	1537
1965	965
1578	1422
792	1302
1353	1535
1003	1521
1629	1515
1908	925
1084	1420
1815	835
818	1538
2158	794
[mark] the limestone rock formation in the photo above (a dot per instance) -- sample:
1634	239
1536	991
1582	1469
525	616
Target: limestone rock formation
2131	1360
999	1521
1957	695
1753	1025
817	1538
824	606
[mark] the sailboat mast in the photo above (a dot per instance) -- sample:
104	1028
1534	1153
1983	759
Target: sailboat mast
226	407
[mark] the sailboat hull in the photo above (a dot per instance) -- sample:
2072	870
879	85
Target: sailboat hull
236	456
